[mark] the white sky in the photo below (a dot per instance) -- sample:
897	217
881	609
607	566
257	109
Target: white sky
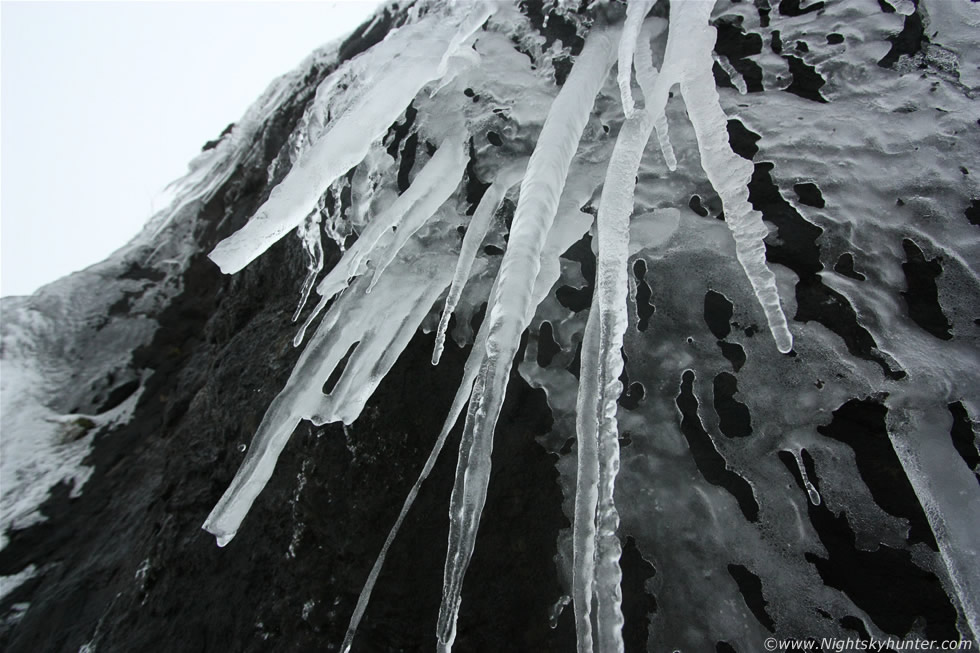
103	104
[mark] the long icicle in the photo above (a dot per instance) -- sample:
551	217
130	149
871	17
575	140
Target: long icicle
433	185
688	62
636	11
347	140
596	547
559	240
728	173
475	234
472	367
615	208
538	203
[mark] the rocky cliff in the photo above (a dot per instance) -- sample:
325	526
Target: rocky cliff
807	479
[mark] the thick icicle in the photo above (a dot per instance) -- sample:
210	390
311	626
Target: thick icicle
597	549
405	299
443	174
636	11
647	76
337	151
475	234
688	61
434	184
559	240
346	142
309	234
728	173
613	235
509	314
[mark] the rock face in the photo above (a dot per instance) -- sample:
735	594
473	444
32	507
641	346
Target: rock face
826	493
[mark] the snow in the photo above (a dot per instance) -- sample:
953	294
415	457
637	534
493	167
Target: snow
31	466
50	362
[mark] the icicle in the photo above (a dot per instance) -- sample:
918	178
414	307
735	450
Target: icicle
636	11
336	223
442	175
405	299
470	371
345	143
475	234
688	61
728	173
309	234
301	334
560	238
736	77
337	151
596	546
434	184
469	27
586	486
811	491
509	315
647	77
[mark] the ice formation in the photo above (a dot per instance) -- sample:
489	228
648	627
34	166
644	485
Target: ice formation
475	234
687	62
389	280
408	65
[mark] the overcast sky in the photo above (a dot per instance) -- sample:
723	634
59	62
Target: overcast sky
103	104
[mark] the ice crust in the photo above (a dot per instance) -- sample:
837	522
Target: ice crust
404	260
405	65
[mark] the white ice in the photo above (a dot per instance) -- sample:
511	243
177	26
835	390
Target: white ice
403	299
510	307
688	61
475	233
412	64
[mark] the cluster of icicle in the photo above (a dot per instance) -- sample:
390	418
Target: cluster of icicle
380	329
